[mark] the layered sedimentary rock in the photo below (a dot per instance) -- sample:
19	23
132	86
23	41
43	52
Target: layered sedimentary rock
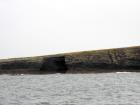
122	59
109	60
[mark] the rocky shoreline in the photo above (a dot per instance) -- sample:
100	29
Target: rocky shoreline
97	61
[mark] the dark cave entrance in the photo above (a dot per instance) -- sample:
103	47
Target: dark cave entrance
54	65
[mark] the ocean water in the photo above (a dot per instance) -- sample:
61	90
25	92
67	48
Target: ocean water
71	89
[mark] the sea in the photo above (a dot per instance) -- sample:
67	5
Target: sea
120	88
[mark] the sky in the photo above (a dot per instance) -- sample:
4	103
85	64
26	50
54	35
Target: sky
42	27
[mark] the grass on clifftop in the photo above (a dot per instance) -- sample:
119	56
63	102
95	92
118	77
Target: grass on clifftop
74	54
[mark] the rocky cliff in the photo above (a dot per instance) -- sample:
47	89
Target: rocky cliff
108	60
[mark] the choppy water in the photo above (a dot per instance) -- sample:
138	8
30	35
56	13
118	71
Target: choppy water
71	89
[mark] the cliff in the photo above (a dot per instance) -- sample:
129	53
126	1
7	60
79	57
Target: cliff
108	60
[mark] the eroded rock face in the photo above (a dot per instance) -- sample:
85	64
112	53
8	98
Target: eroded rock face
127	59
110	60
19	65
54	65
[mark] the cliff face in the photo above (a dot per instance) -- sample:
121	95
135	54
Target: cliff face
107	60
110	60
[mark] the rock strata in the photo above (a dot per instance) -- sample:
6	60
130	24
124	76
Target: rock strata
109	60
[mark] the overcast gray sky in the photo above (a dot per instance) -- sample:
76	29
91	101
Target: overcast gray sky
41	27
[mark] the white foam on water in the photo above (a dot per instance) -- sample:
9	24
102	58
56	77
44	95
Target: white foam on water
122	72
